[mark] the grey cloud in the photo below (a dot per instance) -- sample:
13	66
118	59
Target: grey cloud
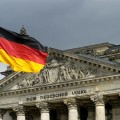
64	24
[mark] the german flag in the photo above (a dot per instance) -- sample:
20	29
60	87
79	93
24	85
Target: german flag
21	52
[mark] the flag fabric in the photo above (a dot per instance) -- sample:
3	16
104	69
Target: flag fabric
21	52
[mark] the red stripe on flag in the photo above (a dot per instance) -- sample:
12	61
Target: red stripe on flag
21	51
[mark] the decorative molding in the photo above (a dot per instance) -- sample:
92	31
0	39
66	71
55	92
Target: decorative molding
71	103
19	109
8	106
43	106
62	85
10	78
97	99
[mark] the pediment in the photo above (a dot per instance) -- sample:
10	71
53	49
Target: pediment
62	67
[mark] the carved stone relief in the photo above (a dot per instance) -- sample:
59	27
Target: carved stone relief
71	103
93	52
43	106
97	99
57	71
19	109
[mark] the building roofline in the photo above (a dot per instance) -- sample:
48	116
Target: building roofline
91	46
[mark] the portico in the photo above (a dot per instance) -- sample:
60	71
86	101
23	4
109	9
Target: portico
93	107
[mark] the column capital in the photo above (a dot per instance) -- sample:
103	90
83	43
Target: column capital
19	109
71	102
72	108
43	106
97	99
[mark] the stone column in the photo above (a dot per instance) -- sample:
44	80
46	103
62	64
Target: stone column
20	112
72	108
44	110
99	106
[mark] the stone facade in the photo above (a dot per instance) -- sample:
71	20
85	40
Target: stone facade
76	84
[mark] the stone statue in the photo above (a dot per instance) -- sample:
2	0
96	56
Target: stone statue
23	31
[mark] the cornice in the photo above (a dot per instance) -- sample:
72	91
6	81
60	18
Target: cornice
10	78
58	86
92	61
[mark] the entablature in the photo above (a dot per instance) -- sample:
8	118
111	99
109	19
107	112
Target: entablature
60	86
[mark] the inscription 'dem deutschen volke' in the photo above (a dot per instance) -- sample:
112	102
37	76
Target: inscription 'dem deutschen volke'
55	95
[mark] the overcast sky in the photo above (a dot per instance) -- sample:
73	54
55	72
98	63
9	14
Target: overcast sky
63	24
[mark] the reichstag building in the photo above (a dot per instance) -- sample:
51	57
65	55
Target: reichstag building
76	84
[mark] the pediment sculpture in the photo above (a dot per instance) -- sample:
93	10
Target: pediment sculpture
59	71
